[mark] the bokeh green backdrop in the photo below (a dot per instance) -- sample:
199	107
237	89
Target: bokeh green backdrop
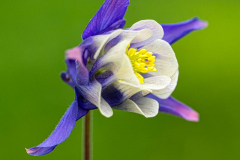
34	35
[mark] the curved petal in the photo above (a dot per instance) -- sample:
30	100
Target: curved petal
82	102
117	93
143	37
173	32
172	106
127	89
156	82
99	42
129	106
92	92
157	32
105	108
146	106
110	14
126	72
166	92
61	132
166	61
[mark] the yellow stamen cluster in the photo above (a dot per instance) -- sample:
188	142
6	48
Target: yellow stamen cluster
142	61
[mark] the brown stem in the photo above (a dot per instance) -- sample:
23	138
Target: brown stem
87	137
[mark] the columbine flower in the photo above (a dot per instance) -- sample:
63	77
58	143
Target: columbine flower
132	69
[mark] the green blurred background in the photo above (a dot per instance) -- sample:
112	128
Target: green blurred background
34	35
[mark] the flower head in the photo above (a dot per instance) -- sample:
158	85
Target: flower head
132	69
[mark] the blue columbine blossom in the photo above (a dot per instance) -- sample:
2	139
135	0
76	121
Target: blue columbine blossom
132	69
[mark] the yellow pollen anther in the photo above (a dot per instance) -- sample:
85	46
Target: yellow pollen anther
142	61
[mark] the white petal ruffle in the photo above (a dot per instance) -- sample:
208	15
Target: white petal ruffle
144	106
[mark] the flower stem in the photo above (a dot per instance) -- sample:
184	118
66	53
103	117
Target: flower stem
87	137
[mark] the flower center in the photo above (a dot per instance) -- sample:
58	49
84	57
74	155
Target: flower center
142	61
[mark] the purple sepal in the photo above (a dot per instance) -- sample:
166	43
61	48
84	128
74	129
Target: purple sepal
174	107
61	132
173	32
119	24
109	16
39	151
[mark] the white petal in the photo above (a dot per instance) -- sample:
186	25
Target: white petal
157	82
156	28
127	89
166	92
105	108
129	106
145	106
92	92
148	106
149	24
146	34
166	61
126	73
135	88
100	41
